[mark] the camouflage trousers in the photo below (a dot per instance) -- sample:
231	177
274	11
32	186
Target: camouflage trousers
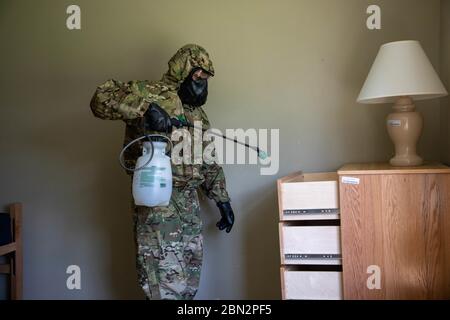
170	247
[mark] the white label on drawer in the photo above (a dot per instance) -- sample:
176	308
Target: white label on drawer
350	180
395	123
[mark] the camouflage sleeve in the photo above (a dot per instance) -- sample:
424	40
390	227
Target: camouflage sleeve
116	100
214	185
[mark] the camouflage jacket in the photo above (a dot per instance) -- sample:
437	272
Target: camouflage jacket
116	100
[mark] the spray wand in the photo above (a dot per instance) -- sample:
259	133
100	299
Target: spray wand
184	123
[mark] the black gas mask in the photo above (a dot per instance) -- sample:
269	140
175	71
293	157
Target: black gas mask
193	92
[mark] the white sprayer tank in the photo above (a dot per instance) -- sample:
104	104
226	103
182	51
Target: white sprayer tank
152	185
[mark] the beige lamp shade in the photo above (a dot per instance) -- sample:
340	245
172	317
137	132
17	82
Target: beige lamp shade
401	69
400	74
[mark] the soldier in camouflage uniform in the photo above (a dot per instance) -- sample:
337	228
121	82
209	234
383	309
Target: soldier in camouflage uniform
168	239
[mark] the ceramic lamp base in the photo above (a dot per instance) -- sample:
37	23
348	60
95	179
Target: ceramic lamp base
404	126
410	161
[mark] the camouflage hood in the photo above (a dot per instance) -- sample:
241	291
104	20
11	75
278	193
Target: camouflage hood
187	58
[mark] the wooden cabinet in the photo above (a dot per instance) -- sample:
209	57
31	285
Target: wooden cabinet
311	284
310	244
308	196
398	220
386	228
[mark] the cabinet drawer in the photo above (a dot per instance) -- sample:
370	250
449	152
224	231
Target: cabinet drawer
317	245
311	285
312	196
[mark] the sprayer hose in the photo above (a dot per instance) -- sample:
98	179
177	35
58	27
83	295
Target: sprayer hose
147	136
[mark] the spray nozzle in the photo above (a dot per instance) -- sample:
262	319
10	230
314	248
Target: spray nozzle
262	154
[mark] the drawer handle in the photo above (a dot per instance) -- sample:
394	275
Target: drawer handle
310	211
301	256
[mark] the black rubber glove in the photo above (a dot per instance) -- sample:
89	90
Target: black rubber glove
227	214
157	119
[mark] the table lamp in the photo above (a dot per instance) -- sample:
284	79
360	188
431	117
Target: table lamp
401	74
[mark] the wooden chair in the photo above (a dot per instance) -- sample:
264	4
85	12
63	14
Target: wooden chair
13	252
